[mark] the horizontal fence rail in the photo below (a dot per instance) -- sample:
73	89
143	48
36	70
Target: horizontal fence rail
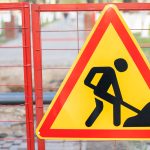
90	7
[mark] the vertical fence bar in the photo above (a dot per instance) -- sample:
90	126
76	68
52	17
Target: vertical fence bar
37	68
27	75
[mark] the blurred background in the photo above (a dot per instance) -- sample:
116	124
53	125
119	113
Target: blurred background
62	36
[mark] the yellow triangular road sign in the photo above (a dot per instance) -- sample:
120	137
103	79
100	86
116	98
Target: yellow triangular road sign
106	93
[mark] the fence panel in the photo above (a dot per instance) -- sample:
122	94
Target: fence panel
57	41
16	120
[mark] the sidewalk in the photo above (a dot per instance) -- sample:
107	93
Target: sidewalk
77	145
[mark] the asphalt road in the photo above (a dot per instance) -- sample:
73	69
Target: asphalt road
59	48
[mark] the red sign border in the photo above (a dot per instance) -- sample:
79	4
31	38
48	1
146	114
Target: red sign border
45	131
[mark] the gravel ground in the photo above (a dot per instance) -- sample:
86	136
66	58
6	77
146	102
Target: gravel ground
13	135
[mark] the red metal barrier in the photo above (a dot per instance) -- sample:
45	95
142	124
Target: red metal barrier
37	40
24	9
28	74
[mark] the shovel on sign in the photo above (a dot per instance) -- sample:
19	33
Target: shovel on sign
142	119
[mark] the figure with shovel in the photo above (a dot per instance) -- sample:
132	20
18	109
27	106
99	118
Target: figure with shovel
101	91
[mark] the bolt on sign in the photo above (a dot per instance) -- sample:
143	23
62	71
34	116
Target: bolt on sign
106	93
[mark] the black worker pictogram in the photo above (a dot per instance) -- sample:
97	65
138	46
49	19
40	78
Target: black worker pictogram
101	91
